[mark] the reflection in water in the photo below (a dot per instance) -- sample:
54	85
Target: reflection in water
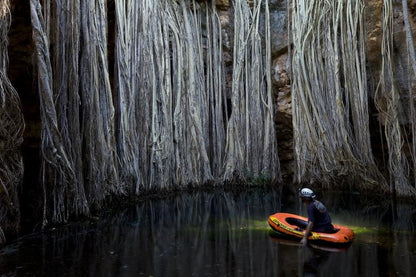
314	261
213	234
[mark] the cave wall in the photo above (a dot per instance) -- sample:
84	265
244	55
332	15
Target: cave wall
21	73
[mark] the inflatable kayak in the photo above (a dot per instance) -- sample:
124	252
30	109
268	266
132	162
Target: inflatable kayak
293	226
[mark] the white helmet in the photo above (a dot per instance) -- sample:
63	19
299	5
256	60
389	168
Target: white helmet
307	193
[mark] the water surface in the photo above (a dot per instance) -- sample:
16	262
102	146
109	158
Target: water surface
219	234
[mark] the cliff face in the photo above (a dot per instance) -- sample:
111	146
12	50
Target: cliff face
22	75
21	64
281	69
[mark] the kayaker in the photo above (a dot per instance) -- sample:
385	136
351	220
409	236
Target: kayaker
318	216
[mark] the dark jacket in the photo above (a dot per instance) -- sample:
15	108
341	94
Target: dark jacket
318	214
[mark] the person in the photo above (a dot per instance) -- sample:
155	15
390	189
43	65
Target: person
318	216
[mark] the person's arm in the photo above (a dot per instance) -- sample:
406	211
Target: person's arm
308	231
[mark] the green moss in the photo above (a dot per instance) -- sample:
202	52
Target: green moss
260	225
359	230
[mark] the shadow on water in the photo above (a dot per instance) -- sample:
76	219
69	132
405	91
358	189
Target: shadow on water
219	234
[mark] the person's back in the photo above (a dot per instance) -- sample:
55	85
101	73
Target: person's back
318	214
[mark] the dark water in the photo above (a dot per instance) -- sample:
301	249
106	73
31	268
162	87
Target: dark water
219	234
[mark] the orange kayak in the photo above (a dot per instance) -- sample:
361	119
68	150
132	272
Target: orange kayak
294	226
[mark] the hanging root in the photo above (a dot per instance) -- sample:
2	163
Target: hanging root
251	145
11	138
388	103
329	95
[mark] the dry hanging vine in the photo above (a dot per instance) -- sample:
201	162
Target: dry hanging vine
412	98
329	95
57	168
162	92
98	131
11	137
251	141
161	122
388	103
79	163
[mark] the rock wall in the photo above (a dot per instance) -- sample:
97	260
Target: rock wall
21	66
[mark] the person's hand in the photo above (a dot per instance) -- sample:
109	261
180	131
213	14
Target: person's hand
304	241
